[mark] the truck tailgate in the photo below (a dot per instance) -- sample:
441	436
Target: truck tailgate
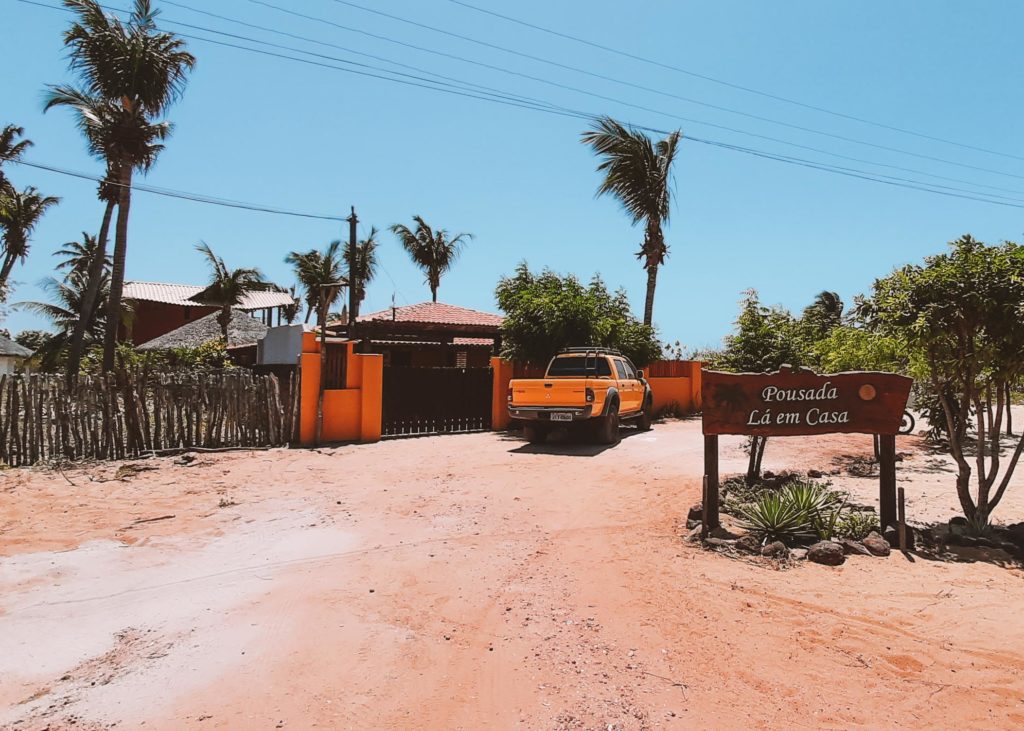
549	392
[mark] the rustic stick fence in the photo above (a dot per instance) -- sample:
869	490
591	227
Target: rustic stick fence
132	413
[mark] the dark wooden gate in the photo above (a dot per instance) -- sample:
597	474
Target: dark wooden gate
436	400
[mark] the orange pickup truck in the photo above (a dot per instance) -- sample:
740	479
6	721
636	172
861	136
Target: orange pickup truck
591	388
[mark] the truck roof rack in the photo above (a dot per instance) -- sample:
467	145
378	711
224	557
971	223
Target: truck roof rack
594	350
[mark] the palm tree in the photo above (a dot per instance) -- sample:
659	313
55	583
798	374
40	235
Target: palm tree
139	71
113	135
638	172
10	151
365	268
317	273
63	311
228	287
78	256
20	213
432	251
825	313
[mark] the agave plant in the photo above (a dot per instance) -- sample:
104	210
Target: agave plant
777	517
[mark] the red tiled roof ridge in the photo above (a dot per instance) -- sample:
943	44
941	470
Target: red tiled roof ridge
436	312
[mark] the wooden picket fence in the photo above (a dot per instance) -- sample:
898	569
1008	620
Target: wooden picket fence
129	414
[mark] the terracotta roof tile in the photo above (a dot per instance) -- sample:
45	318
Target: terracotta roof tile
436	313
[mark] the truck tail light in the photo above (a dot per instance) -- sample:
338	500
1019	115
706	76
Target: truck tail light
510	395
590	395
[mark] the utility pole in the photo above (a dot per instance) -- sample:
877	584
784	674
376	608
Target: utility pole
353	278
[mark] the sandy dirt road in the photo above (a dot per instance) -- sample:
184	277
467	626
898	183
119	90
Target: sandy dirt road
476	582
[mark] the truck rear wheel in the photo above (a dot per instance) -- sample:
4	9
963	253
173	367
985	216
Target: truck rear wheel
608	426
535	433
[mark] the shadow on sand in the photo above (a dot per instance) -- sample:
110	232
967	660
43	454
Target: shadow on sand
566	443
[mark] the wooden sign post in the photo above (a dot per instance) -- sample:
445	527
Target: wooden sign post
799	402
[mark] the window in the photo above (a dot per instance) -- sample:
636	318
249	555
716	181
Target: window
620	368
630	370
578	365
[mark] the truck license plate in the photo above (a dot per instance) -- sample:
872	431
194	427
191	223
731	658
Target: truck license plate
561	416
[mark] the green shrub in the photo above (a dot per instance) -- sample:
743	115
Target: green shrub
776	517
856	524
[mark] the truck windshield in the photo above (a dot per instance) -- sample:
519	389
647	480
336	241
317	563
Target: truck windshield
578	365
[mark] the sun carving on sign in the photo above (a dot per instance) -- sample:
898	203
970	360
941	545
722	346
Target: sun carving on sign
867	392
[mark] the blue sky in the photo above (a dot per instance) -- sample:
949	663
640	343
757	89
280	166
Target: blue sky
300	137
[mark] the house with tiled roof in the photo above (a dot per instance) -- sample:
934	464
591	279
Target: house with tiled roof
159	308
429	334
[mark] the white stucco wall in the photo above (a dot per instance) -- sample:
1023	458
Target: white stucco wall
8	364
280	346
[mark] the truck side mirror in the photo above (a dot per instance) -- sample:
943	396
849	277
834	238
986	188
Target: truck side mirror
640	374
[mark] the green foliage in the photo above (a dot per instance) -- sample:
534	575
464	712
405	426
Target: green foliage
797	512
962	317
32	339
856	524
546	312
317	271
777	518
848	348
763	340
434	251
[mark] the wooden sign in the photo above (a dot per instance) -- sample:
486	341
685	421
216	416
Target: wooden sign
797	401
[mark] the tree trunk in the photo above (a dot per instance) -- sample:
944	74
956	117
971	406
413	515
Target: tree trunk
652	282
91	294
225	321
433	292
754	459
117	272
5	271
1009	409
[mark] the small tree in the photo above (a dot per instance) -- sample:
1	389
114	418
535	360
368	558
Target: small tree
765	338
546	312
962	314
228	287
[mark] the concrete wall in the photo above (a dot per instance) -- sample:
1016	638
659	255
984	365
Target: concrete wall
351	414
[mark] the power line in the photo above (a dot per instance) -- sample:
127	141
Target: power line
731	85
576	69
669	115
518	100
561	111
194	197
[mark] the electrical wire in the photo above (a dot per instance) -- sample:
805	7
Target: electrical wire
612	79
669	115
167	192
547	108
731	85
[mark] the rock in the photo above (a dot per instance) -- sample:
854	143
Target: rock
749	543
768	475
877	545
691	524
815	474
723	533
798	554
776	549
826	552
855	548
719	543
696	512
893	536
958	525
694	535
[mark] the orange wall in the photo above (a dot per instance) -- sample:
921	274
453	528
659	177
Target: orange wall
352	414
